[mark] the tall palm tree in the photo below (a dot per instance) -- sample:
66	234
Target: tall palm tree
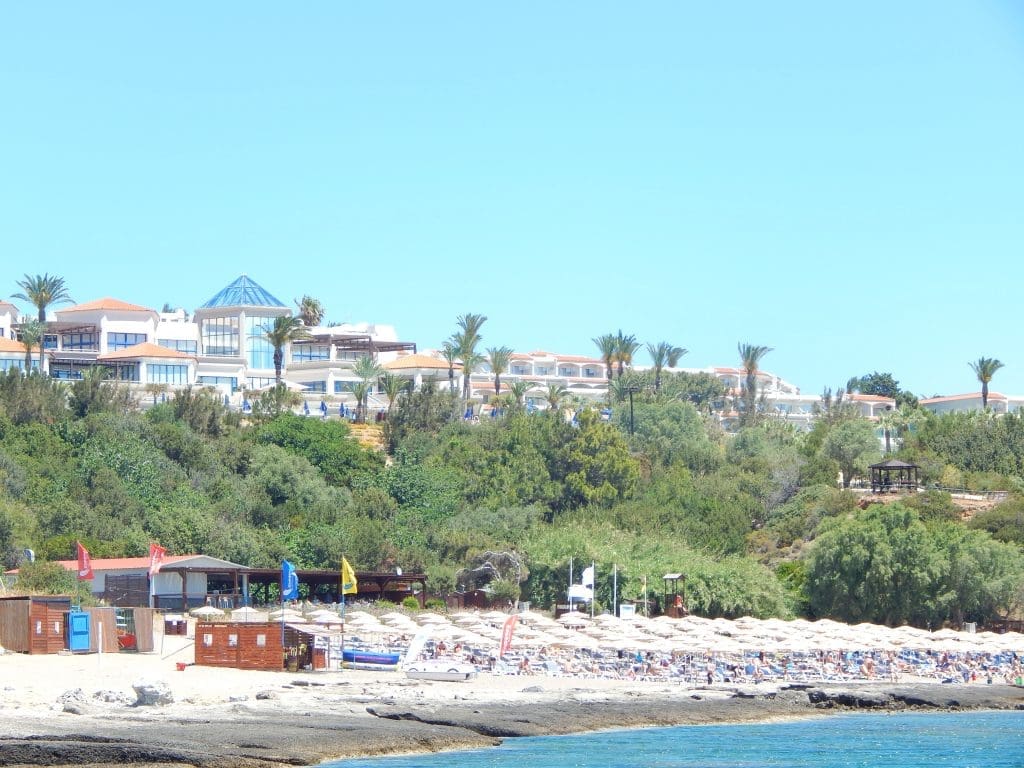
750	357
663	355
470	362
465	341
361	389
311	311
41	291
450	355
282	332
392	386
985	368
607	344
498	358
625	348
31	334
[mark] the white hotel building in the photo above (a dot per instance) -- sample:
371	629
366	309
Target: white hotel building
222	346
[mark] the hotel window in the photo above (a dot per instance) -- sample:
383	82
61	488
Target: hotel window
124	340
220	337
181	345
304	353
126	371
214	381
590	373
260	351
259	382
6	365
543	370
167	374
80	341
565	371
50	341
343	386
520	370
316	386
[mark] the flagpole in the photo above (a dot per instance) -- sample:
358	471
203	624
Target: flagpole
569	593
593	586
615	589
341	582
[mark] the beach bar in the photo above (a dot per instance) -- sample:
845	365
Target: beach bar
257	645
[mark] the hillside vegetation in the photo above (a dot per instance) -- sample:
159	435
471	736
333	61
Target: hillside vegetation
756	521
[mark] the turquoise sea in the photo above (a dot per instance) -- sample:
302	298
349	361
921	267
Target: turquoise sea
968	740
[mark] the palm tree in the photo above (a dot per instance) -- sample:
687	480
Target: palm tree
985	368
465	341
625	348
607	344
555	395
392	386
518	390
663	355
310	310
450	355
361	389
470	362
31	334
750	355
498	358
42	291
281	333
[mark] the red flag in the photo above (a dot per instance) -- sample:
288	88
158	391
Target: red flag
84	563
506	634
156	558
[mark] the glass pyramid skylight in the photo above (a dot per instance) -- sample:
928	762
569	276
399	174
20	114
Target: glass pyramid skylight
243	292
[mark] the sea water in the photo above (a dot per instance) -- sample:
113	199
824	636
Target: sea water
965	740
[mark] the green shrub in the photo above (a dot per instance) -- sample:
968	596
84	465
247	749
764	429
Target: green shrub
411	603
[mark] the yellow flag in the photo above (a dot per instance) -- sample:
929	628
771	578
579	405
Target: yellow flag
349	586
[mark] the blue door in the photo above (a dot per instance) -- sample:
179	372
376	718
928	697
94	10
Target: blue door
78	631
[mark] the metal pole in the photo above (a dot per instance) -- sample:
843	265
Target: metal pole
569	593
615	589
593	587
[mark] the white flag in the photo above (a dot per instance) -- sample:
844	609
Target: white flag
587	579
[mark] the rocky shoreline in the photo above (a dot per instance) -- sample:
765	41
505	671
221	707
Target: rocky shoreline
346	722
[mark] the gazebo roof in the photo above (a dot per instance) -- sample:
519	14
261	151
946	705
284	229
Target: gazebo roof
894	464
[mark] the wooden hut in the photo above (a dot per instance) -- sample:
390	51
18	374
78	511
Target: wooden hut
258	645
33	623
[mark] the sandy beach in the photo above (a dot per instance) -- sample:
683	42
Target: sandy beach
82	709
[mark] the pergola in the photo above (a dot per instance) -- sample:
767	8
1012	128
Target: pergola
326	585
893	476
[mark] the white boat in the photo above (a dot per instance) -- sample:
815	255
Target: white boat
441	670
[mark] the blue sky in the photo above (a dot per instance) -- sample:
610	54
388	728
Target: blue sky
841	184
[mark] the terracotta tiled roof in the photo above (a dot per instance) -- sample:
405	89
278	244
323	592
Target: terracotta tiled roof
146	349
10	345
870	398
117	563
105	303
965	396
417	361
6	306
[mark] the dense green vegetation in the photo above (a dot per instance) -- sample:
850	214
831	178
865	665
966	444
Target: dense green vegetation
758	521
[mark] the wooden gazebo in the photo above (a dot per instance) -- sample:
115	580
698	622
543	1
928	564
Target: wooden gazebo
893	476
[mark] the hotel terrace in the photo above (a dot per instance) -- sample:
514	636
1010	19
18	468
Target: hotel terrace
223	346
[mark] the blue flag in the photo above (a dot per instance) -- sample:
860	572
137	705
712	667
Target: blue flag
289	581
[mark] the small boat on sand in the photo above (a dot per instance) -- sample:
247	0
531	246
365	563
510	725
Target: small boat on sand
441	670
358	659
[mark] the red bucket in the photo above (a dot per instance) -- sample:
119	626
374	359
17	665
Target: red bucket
180	665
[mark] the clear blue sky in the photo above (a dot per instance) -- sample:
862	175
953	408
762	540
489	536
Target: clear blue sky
844	185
